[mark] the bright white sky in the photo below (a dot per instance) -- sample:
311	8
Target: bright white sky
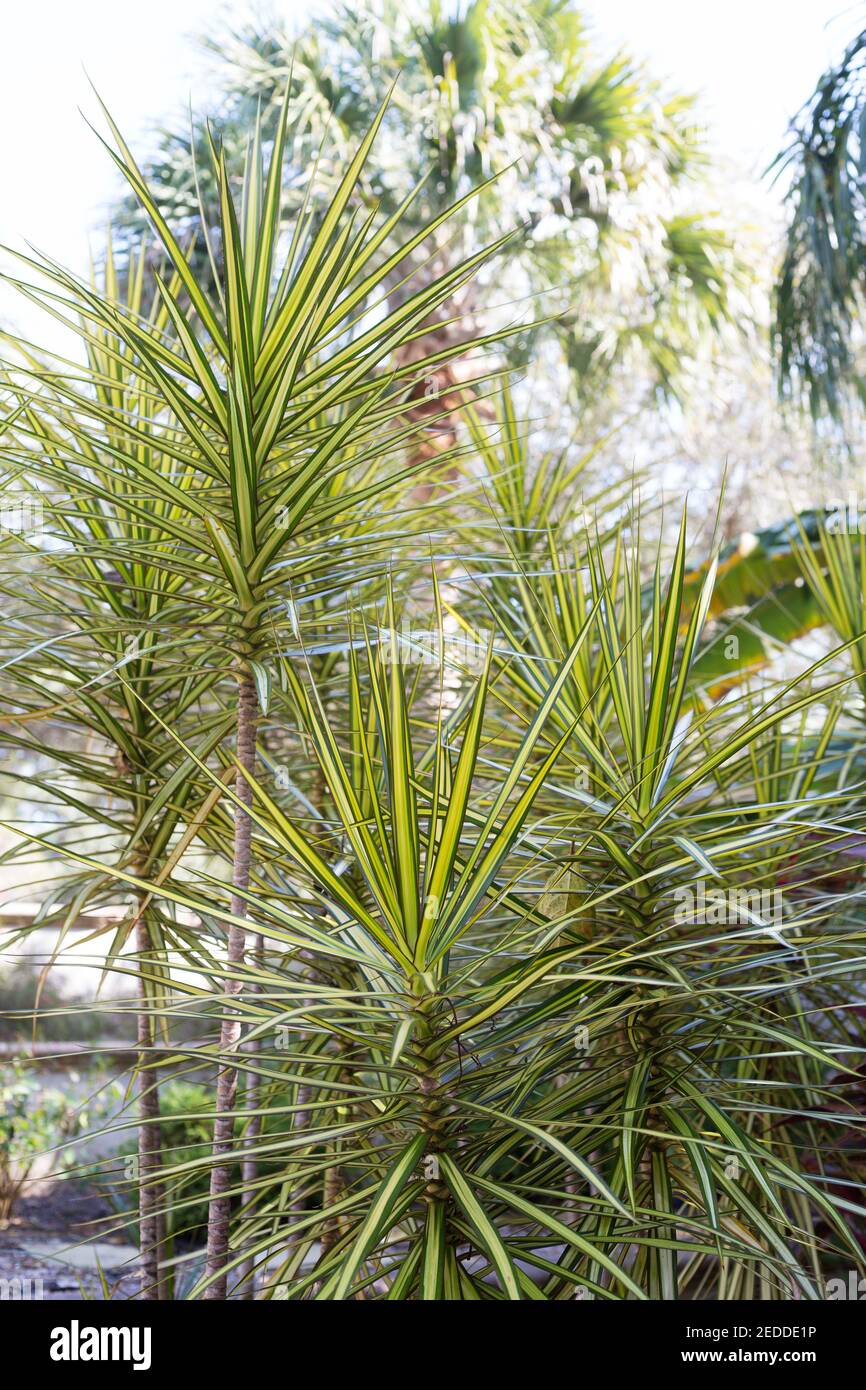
752	61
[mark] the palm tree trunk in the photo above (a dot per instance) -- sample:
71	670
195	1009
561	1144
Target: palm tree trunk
227	1080
436	403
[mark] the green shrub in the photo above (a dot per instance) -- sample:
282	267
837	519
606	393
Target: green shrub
34	1121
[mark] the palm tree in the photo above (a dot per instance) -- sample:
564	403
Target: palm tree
598	167
819	294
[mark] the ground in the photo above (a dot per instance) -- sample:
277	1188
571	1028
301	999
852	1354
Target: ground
41	1243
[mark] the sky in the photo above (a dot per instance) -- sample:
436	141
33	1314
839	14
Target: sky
752	61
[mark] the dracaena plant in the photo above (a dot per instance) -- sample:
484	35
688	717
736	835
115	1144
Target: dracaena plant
104	633
532	497
553	961
833	568
677	811
520	1043
252	400
774	587
426	858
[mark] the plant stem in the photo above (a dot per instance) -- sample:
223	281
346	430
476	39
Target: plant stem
230	1028
250	1167
434	1109
151	1218
152	1221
